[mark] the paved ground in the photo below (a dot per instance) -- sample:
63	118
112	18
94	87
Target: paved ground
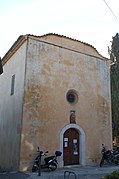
77	172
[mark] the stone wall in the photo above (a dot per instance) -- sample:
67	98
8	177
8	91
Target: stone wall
52	71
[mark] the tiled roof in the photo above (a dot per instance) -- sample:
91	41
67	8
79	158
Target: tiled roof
22	38
61	36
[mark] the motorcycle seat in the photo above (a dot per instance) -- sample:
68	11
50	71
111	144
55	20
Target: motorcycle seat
48	158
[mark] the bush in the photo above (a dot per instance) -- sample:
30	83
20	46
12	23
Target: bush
113	175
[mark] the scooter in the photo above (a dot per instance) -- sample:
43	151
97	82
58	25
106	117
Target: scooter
109	156
50	162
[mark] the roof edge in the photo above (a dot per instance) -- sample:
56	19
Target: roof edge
101	56
21	39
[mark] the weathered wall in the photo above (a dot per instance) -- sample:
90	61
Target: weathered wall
69	43
11	110
51	72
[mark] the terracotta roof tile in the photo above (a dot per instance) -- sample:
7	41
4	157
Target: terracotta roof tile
23	38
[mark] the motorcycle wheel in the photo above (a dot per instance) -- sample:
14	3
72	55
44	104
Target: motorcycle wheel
101	162
53	166
34	168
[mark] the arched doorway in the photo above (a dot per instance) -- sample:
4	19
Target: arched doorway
71	147
82	144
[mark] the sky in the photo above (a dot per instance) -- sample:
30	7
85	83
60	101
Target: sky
90	21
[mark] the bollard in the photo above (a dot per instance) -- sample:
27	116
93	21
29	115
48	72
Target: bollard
39	167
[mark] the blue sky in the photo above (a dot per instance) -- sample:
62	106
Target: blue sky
89	21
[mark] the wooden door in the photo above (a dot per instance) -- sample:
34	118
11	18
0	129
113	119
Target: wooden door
71	147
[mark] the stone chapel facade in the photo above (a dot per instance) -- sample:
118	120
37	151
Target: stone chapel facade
55	94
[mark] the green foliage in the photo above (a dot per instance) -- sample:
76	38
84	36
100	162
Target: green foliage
114	74
113	175
115	46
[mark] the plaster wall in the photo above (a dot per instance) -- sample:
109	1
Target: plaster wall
72	44
51	71
11	110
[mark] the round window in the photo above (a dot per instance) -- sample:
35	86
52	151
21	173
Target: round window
72	97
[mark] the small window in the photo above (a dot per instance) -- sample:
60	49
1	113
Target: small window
12	84
72	97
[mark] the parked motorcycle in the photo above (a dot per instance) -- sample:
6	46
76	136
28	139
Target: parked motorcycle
49	162
110	156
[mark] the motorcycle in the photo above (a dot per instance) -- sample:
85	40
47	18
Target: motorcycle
109	156
49	162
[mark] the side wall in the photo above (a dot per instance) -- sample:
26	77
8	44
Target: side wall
11	110
51	72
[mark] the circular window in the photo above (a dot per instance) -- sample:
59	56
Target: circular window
72	97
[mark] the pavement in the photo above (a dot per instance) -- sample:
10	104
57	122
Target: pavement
75	172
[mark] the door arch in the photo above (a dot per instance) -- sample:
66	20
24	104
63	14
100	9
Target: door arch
81	143
71	147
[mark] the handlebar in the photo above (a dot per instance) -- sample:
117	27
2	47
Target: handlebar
41	152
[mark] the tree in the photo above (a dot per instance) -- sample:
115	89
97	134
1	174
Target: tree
114	72
1	68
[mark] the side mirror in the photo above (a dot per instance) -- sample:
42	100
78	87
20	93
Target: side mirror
38	149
